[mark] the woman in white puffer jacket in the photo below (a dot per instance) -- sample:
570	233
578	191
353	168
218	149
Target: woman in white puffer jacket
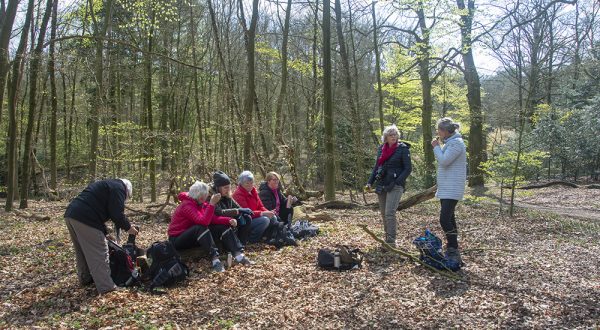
451	177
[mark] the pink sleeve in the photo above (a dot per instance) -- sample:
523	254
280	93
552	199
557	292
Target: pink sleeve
219	220
199	216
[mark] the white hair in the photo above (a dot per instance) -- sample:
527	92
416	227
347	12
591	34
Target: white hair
245	177
448	125
389	130
129	187
198	189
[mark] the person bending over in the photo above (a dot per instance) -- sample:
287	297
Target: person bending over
85	218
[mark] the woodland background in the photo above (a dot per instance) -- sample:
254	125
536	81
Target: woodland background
164	92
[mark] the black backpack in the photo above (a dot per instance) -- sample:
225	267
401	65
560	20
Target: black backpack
349	258
122	267
281	236
166	268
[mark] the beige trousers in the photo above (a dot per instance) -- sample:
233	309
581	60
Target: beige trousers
91	254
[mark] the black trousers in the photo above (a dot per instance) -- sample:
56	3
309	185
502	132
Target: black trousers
285	214
206	238
448	221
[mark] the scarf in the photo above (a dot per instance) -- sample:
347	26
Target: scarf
277	201
386	153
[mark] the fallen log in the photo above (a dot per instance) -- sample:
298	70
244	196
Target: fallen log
417	198
410	256
593	186
338	205
32	216
413	200
550	184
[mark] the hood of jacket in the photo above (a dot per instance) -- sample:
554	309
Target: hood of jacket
265	186
454	136
183	196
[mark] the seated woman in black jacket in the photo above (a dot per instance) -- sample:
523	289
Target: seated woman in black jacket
273	199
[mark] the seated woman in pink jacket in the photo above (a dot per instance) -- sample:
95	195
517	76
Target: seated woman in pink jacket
194	224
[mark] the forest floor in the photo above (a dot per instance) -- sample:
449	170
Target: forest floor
538	269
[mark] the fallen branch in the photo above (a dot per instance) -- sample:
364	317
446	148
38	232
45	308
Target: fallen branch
339	205
549	184
451	276
413	200
593	186
31	215
485	249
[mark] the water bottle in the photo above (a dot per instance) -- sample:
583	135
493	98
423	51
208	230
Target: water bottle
229	260
336	259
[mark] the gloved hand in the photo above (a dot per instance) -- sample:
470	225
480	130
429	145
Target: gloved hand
244	219
246	211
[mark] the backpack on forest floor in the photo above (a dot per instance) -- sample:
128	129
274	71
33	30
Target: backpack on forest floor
430	248
341	258
166	267
122	267
304	229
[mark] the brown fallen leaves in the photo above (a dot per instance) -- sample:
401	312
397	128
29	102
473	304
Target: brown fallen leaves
534	270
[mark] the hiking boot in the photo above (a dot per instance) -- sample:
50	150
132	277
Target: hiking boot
453	255
217	267
246	262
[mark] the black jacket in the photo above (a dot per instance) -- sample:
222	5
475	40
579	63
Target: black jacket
395	170
99	202
226	206
268	198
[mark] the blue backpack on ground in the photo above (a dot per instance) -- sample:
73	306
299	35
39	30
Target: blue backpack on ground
430	247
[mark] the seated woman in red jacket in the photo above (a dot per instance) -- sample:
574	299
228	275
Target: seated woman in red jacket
247	196
194	224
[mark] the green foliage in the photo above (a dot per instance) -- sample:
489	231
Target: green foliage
567	134
500	168
148	15
299	66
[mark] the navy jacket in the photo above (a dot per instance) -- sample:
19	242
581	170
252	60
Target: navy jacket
99	202
395	170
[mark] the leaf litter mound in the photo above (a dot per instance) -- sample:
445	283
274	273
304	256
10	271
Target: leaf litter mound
534	270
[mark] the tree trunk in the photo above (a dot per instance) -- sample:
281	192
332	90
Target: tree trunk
6	24
149	113
250	42
279	122
98	98
13	96
355	115
33	83
53	97
477	153
327	105
427	103
377	68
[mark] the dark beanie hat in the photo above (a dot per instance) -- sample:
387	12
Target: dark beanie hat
220	179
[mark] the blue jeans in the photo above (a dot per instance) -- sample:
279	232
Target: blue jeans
253	232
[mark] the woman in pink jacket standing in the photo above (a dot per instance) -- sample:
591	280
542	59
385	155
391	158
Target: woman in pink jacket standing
194	224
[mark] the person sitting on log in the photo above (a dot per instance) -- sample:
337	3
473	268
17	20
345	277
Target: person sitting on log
273	199
249	230
247	196
194	224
